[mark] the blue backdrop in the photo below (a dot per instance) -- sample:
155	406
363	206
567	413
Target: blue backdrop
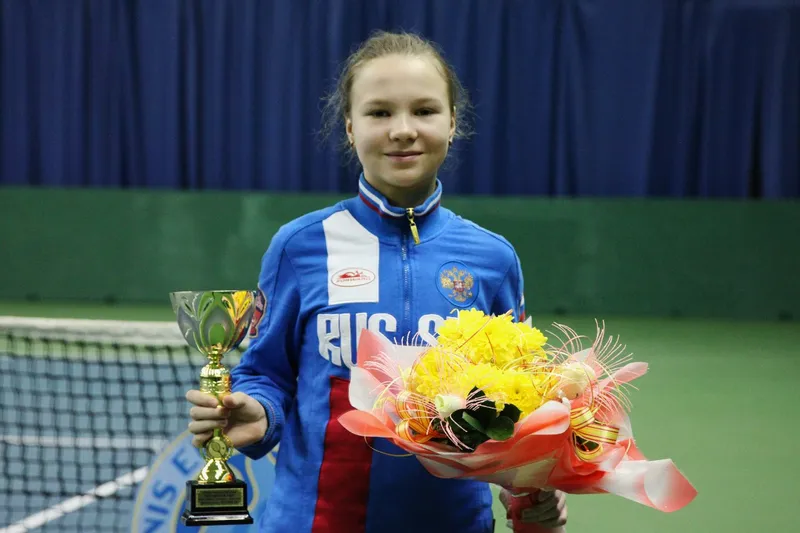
573	97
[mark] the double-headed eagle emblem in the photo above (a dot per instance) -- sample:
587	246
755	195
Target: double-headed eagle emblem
459	282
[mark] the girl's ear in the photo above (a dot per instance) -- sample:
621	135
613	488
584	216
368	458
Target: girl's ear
348	127
453	124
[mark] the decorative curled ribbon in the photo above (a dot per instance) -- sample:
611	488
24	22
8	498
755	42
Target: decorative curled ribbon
589	435
415	424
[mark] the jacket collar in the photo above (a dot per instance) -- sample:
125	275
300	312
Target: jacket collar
373	210
378	203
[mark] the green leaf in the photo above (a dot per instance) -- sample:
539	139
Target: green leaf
511	411
456	419
474	422
462	424
473	439
501	429
485	411
476	394
458	425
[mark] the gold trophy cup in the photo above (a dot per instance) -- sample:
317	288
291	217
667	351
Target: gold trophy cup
215	323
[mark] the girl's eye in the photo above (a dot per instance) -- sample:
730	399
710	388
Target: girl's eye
378	113
426	111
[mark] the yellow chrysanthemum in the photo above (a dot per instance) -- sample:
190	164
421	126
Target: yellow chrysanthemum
434	373
494	354
431	378
496	340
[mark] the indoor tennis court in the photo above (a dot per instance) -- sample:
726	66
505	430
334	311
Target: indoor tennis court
715	399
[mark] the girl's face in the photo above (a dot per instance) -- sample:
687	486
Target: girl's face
400	123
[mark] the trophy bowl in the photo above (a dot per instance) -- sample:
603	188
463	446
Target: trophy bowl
213	322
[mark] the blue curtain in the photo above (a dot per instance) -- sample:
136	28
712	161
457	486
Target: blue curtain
675	98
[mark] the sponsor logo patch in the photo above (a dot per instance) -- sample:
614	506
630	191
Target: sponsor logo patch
353	277
260	305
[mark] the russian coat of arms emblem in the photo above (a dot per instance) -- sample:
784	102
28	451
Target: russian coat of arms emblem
457	282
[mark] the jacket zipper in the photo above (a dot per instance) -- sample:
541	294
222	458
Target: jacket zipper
406	285
413	224
407	268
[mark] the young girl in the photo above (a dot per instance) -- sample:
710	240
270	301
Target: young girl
392	260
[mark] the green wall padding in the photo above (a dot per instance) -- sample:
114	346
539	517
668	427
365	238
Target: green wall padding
734	259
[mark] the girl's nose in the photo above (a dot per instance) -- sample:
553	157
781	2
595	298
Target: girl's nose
402	129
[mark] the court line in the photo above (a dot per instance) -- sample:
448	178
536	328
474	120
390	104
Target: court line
101	491
77	502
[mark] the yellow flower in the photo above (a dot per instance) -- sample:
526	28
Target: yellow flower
503	358
438	374
497	340
523	389
434	372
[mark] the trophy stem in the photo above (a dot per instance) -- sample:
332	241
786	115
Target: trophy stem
215	379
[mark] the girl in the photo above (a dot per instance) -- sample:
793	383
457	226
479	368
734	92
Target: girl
392	260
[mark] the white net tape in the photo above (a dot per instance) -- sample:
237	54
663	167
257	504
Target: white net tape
124	332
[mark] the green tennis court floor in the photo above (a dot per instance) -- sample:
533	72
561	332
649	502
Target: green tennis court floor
719	400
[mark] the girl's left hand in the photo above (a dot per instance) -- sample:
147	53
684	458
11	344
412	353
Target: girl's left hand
549	511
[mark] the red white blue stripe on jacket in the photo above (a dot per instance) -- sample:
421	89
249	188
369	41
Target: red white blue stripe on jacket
325	277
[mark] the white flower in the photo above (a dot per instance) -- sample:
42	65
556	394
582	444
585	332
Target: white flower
575	379
447	404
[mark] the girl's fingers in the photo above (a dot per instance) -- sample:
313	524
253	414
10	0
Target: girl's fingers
201	399
205	426
208	413
200	439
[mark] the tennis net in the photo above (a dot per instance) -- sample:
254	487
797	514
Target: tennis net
87	406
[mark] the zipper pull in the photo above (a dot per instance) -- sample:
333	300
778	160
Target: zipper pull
414	232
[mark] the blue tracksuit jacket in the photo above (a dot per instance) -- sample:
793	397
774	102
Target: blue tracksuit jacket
325	277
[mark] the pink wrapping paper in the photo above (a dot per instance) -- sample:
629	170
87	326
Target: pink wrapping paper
541	453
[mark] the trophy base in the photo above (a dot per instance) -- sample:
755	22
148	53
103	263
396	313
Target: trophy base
219	504
189	519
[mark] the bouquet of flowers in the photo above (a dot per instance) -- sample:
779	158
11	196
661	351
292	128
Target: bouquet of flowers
491	400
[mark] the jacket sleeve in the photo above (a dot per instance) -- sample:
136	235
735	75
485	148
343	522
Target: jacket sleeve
268	369
511	295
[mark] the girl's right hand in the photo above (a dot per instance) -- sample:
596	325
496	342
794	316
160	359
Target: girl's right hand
241	417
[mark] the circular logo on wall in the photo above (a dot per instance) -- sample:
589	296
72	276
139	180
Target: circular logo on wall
161	496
